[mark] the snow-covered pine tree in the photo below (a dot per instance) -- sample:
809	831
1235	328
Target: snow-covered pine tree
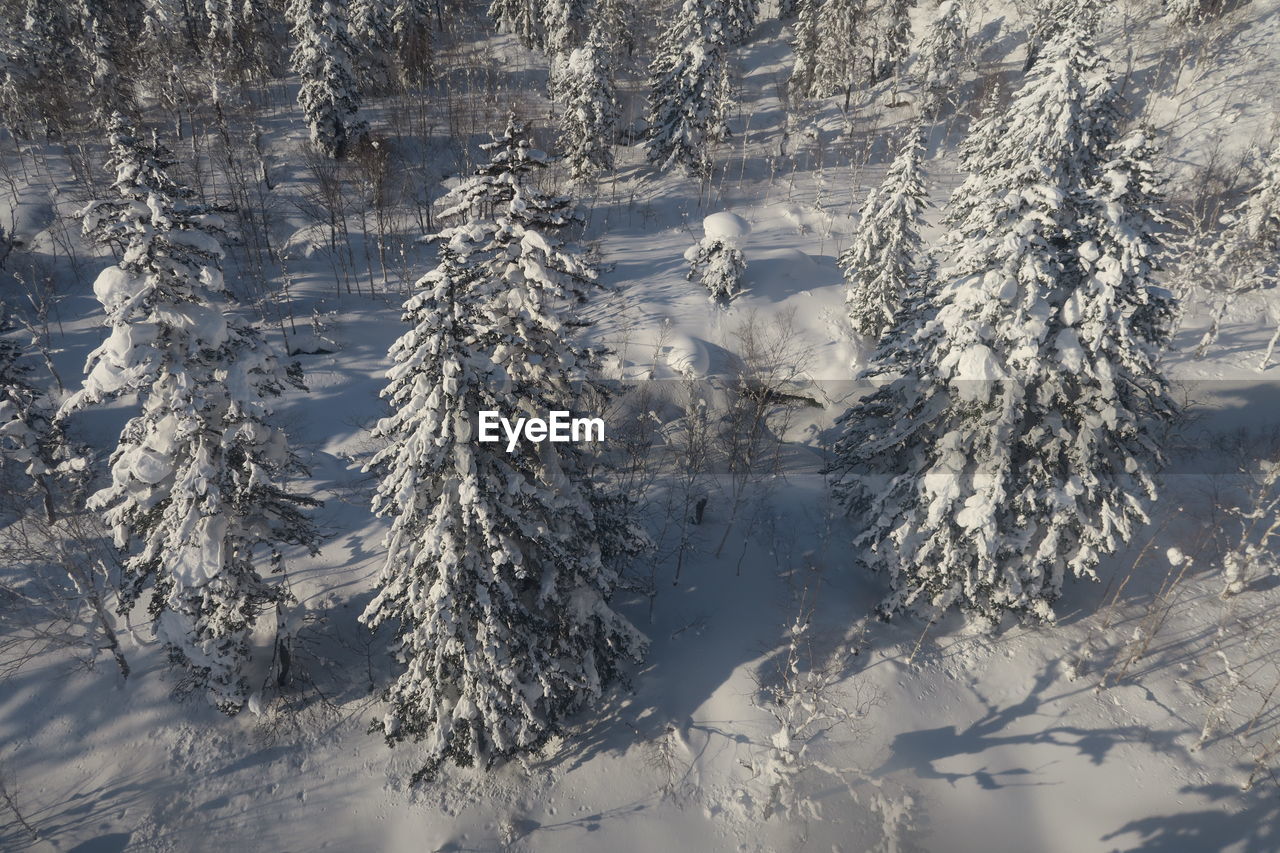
47	46
411	35
805	47
879	266
23	424
565	23
1185	11
1019	443
521	18
741	17
1052	17
195	496
841	54
370	32
589	116
788	9
942	51
329	97
894	42
690	91
614	24
104	54
497	577
717	264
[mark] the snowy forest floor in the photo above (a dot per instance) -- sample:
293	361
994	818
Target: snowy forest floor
1088	735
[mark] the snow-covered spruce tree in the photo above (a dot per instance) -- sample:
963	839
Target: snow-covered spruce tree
841	54
879	266
1121	231
717	264
1052	17
893	44
43	64
521	18
220	25
1185	11
741	17
565	23
411	35
589	117
805	47
238	33
788	9
23	425
498	571
942	51
194	497
329	97
104	55
1019	443
614	24
370	31
46	37
690	92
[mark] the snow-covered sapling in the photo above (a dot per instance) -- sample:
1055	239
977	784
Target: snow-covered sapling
717	261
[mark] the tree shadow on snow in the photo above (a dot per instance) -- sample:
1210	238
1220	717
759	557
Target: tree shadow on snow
1252	827
921	750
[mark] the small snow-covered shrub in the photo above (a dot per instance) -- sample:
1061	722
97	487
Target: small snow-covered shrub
718	265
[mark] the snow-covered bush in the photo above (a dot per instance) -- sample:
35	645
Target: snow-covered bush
717	261
1019	443
718	265
1245	255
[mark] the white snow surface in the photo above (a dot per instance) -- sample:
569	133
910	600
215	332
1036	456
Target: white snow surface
726	226
969	740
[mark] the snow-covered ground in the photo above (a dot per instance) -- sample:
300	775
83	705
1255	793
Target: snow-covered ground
1082	736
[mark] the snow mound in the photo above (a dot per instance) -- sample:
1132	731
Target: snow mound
795	263
27	216
726	226
307	242
686	356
